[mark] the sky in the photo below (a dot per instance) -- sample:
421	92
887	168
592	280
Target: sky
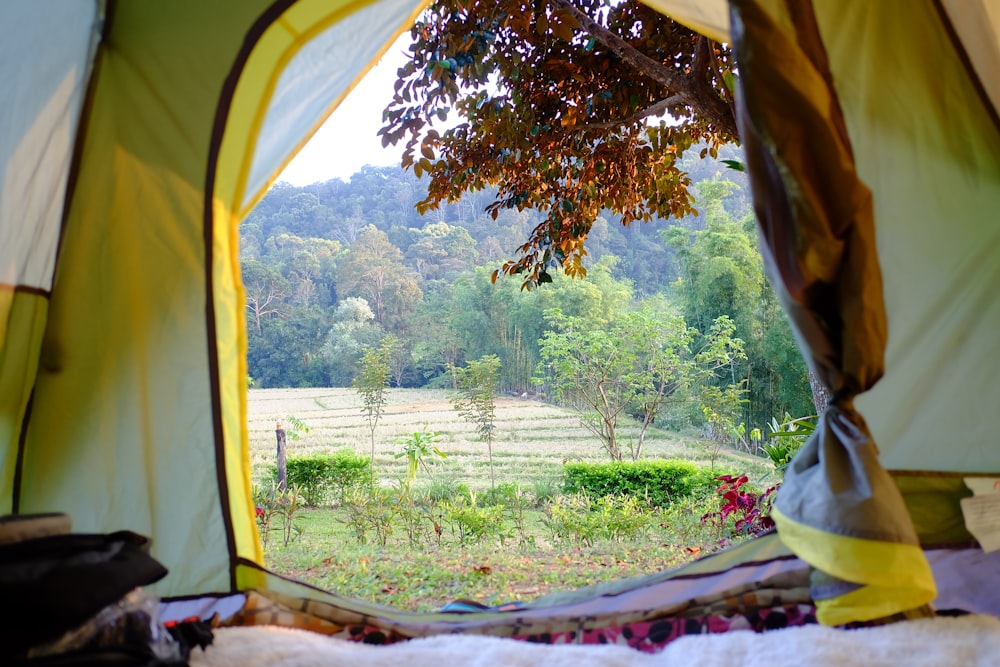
347	141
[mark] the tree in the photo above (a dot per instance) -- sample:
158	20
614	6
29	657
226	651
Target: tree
372	383
353	332
265	289
640	361
373	269
563	105
476	399
440	251
722	273
436	343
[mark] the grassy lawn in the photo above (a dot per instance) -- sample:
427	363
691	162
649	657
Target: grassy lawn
525	559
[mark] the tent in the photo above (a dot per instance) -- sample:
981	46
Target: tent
134	136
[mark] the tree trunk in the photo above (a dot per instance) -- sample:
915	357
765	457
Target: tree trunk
821	397
280	436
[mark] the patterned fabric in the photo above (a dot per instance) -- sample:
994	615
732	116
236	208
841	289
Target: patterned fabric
649	636
781	601
260	609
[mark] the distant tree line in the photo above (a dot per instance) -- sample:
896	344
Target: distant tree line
331	269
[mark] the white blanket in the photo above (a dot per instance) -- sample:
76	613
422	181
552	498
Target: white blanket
939	642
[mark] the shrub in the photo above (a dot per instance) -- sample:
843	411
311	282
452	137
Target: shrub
786	438
658	482
544	490
371	514
501	495
349	471
271	502
743	511
684	525
513	501
473	524
580	518
322	477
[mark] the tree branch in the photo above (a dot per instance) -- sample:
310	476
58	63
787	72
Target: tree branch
691	89
652	110
651	68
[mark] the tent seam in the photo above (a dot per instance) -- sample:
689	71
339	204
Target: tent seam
271	14
966	61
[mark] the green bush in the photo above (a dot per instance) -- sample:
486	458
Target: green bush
472	523
503	495
581	519
349	471
371	514
658	482
445	488
544	490
325	477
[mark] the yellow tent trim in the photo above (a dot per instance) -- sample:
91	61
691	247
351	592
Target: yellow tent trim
280	30
244	210
868	603
259	78
893	576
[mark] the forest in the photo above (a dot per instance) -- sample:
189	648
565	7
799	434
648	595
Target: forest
333	268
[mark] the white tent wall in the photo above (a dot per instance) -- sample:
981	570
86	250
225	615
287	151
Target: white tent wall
37	127
926	143
319	76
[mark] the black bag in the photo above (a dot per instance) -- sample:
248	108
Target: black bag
50	585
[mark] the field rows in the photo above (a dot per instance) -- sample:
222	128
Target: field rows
533	439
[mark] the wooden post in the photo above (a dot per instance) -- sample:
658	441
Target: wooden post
279	434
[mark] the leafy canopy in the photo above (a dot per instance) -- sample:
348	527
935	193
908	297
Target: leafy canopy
640	361
566	107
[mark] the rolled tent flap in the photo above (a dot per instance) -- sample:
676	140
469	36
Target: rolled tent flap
838	509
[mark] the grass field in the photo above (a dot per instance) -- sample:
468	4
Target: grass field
533	441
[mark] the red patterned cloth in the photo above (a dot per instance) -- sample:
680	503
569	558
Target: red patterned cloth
646	636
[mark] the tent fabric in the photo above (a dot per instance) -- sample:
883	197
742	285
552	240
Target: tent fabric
327	65
929	155
915	94
976	23
137	413
837	508
709	17
757	574
37	127
744	581
38	121
142	132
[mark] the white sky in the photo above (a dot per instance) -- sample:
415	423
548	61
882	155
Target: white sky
347	141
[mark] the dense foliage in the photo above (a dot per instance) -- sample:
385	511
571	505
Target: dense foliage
324	478
641	362
658	483
569	108
333	268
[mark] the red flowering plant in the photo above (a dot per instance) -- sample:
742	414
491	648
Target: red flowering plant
743	512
